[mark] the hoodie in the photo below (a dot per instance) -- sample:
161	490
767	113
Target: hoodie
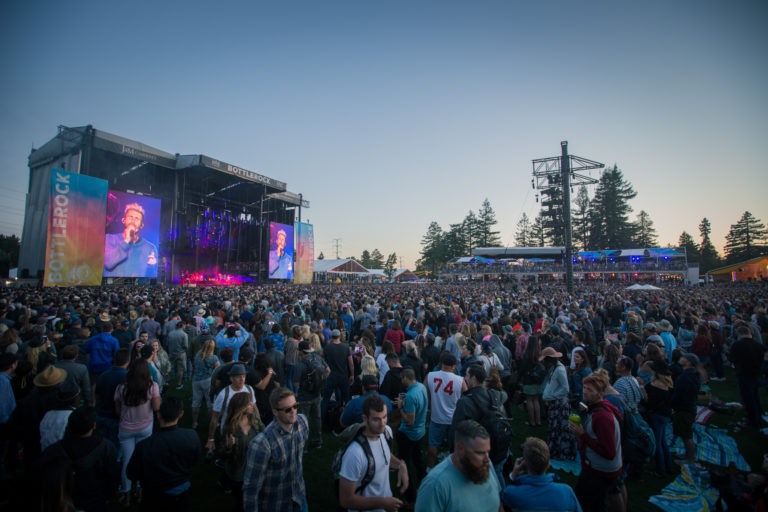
600	444
101	348
539	493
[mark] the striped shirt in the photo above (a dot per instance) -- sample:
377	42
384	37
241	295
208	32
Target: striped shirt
274	476
630	390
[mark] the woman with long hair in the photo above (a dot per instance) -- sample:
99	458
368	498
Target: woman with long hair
396	336
243	423
611	355
386	348
562	444
206	361
658	405
38	354
581	370
135	401
531	375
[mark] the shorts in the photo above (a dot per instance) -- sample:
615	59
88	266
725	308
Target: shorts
682	424
200	391
179	363
437	433
532	389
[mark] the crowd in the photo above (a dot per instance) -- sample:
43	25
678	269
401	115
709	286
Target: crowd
418	380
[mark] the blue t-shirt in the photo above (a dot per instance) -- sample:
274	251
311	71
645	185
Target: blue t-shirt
123	259
416	401
101	348
446	489
353	412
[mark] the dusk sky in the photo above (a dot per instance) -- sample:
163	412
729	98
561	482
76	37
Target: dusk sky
389	115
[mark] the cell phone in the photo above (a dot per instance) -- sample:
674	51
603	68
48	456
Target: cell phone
358	349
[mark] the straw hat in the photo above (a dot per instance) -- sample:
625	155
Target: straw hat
550	352
50	377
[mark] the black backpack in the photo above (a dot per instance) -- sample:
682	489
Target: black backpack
355	433
314	375
497	424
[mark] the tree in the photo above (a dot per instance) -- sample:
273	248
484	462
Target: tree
746	239
708	254
365	259
553	221
471	231
432	249
391	265
321	256
523	233
9	253
486	220
455	242
580	219
538	238
645	233
687	243
377	259
610	226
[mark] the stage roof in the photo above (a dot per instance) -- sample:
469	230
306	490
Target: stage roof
518	252
739	267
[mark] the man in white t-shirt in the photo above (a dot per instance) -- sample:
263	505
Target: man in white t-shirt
219	414
445	389
377	494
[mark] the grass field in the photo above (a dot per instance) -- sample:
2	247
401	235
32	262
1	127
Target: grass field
207	495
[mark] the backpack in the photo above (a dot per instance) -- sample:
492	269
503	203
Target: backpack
355	433
497	424
314	375
637	437
535	375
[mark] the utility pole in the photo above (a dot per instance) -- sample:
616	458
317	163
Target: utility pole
337	246
547	174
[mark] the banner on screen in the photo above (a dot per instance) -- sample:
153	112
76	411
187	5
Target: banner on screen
74	255
305	259
280	251
132	235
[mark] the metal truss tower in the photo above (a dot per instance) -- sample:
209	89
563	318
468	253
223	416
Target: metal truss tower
563	170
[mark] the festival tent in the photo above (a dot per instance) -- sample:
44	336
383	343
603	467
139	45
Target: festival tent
643	287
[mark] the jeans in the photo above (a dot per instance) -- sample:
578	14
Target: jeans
128	442
201	391
410	451
658	424
499	469
339	384
289	376
108	428
311	409
748	389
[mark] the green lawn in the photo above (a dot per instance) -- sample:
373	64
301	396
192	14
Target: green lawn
207	495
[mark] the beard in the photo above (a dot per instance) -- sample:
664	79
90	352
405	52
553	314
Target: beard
476	474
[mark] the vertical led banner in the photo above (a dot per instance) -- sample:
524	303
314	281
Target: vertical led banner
305	260
75	246
280	251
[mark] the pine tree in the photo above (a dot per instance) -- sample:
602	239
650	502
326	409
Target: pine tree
746	239
365	259
455	242
432	249
377	259
552	220
708	254
486	220
538	237
645	233
609	211
391	265
471	231
580	219
688	244
321	256
523	233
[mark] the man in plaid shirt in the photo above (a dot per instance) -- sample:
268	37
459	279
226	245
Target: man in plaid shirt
274	476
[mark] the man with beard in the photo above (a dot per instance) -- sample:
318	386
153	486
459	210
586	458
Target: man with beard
464	480
126	254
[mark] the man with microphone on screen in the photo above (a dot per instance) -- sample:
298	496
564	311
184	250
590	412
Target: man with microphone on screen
280	262
126	254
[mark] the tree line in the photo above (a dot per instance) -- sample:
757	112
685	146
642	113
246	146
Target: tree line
600	222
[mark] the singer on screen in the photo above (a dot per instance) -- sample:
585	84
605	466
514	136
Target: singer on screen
126	254
280	261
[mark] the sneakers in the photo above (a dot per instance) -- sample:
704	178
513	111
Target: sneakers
180	386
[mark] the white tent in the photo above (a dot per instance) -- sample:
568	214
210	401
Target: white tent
643	287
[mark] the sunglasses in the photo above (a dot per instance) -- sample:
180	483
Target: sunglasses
287	410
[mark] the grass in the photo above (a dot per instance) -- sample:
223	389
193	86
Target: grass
207	495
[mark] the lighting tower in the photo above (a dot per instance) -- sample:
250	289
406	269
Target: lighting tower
550	172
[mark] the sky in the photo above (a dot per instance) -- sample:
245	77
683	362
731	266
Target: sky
388	115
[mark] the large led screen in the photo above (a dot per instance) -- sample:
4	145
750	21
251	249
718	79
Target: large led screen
280	251
132	235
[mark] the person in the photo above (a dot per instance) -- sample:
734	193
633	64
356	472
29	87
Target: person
626	384
94	460
396	336
163	462
464	481
107	420
276	360
489	358
219	414
126	254
266	381
243	424
8	363
54	423
747	355
274	475
581	369
339	360
377	495
101	351
599	436
353	412
135	401
658	405
206	362
670	343
562	445
412	427
532	488
76	372
531	374
683	403
177	342
280	260
445	389
234	337
309	386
